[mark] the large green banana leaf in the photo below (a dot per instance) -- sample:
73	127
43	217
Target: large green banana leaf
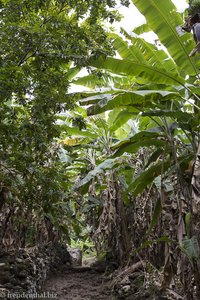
139	69
126	51
143	52
75	131
121	117
163	19
135	99
140	139
93	81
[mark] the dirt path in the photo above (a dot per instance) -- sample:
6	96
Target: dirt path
79	284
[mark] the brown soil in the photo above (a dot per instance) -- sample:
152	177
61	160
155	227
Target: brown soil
81	283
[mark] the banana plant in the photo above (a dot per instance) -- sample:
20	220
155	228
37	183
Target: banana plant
158	91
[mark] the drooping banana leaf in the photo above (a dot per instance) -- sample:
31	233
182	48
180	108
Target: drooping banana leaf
140	139
105	165
143	70
146	177
93	81
175	114
136	99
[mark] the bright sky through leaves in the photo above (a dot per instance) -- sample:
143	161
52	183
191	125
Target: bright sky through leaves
133	18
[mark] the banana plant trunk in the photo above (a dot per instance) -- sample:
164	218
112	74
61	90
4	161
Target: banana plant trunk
195	182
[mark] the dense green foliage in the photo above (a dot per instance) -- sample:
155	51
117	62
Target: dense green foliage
138	182
112	163
43	45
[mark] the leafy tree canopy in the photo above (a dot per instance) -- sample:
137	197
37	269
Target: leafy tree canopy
43	44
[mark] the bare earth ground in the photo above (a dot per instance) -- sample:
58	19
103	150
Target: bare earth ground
79	284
